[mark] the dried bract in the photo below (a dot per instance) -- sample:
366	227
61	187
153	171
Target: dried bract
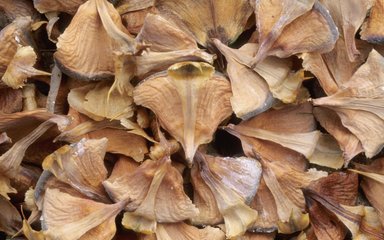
11	37
251	94
68	218
13	9
191	102
164	36
68	6
11	100
21	67
210	19
373	184
183	231
276	72
81	166
348	17
348	142
10	219
233	183
275	126
152	202
297	30
89	55
373	29
359	104
96	101
333	69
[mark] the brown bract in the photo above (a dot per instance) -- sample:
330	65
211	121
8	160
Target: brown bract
10	161
152	202
282	82
10	219
13	9
333	69
348	142
358	103
154	62
4	138
24	129
327	153
284	166
265	206
373	184
11	36
68	217
89	55
183	231
134	13
342	188
273	16
97	102
10	100
373	29
329	201
164	36
255	97
210	19
257	236
291	127
68	6
21	67
81	165
117	134
286	29
284	183
232	182
348	17
190	101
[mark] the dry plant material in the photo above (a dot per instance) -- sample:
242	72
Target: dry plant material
11	100
372	184
291	129
358	104
164	36
348	18
13	9
21	67
330	204
10	219
93	48
211	19
282	82
10	37
134	13
278	23
153	202
333	69
284	165
81	166
118	136
69	217
230	184
184	120
193	100
46	6
342	188
11	160
98	103
327	153
373	29
348	142
256	97
184	231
